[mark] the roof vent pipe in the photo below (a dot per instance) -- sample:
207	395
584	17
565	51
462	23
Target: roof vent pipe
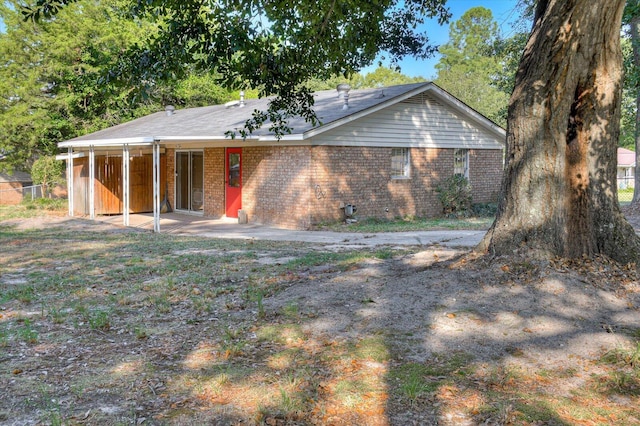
343	89
346	101
241	98
169	109
343	92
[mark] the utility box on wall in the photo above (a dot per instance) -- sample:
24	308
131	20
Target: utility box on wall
242	217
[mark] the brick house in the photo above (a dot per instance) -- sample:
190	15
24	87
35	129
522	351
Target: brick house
12	186
383	151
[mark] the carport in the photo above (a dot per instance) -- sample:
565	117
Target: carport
125	148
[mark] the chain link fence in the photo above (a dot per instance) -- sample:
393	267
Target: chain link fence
625	189
17	195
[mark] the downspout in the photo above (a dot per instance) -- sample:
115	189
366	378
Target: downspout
70	181
126	175
92	182
156	186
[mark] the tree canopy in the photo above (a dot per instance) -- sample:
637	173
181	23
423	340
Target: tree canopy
48	172
478	66
380	77
270	46
49	76
54	78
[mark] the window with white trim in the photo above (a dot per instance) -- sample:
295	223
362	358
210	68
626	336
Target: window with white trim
461	162
400	164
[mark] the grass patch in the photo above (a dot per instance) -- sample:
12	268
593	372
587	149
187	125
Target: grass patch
99	320
34	208
411	224
371	348
351	392
283	334
291	311
341	260
623	357
623	377
57	315
415	381
21	293
26	332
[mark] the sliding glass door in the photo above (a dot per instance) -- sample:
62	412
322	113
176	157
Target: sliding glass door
190	181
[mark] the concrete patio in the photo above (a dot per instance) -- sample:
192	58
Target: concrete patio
184	224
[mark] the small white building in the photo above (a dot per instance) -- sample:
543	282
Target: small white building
626	168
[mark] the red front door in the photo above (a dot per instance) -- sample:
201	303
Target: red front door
233	181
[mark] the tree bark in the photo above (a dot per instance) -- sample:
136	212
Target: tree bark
559	187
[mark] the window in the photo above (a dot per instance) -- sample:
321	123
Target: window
400	162
461	162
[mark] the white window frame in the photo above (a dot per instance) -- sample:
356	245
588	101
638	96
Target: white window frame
400	167
461	162
190	210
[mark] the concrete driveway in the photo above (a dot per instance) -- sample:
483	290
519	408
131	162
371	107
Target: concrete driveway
181	224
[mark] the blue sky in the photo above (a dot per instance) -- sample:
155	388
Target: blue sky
504	13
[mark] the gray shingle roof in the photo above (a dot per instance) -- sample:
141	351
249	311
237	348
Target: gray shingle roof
17	176
212	122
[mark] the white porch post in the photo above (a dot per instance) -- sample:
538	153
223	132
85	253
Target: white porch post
70	181
92	182
126	174
156	186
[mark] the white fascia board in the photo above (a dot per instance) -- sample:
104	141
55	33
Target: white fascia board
208	142
413	144
284	139
226	139
217	142
190	139
108	142
66	156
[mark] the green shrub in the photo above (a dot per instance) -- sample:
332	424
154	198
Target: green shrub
455	195
48	172
484	209
49	204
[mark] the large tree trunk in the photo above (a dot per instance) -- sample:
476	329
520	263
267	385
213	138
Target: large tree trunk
559	187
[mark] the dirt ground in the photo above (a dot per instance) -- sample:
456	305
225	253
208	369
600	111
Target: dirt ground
512	314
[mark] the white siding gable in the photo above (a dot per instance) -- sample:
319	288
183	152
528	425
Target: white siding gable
421	121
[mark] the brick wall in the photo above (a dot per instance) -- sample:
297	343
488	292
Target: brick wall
297	187
170	155
214	175
10	193
485	174
361	176
276	185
